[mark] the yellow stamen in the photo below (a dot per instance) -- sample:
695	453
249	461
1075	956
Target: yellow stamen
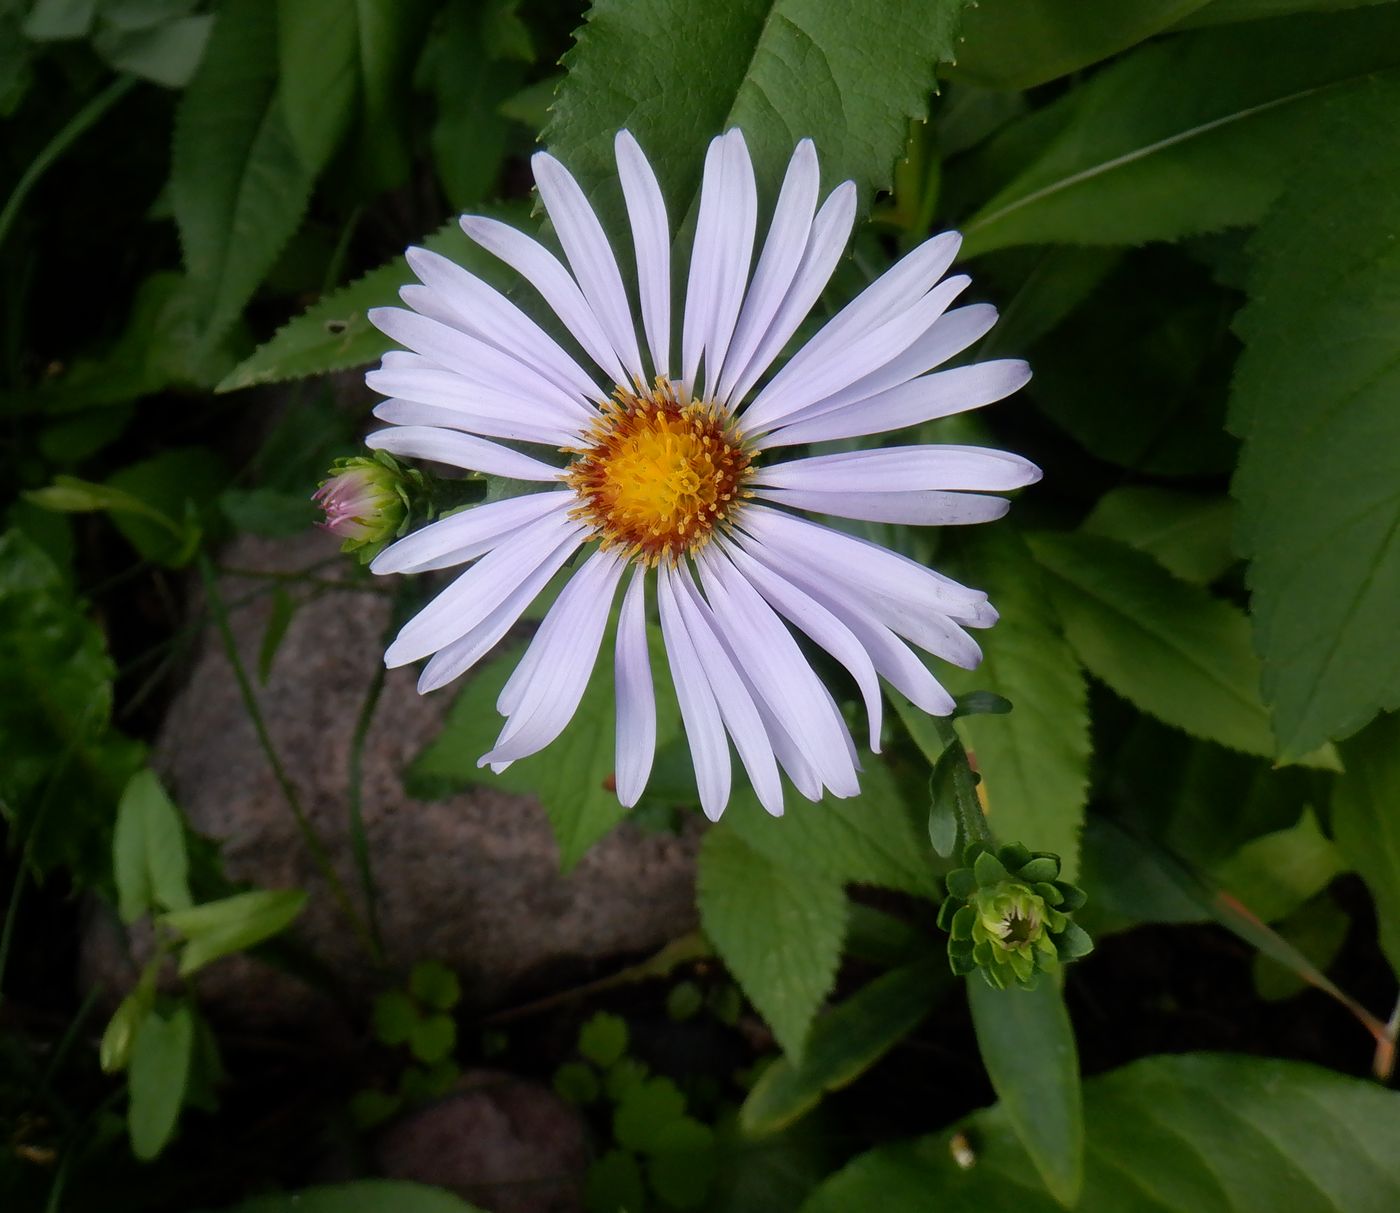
657	476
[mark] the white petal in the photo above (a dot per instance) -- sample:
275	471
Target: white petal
484	586
590	256
914	507
824	629
736	705
542	270
770	659
702	284
460	450
857	562
636	700
478	525
938	395
816	379
557	665
948	336
478	308
777	264
452	417
463	653
739	219
895	660
898	468
704	730
651	238
875	585
830	231
479	364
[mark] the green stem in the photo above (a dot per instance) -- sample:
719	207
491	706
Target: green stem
359	842
59	144
315	847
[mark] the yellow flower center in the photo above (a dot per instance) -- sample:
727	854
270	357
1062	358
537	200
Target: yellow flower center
658	476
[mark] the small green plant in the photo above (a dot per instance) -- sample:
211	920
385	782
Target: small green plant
417	1021
158	1039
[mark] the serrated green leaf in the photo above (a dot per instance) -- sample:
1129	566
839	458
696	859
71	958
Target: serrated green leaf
1203	1131
148	850
777	928
156	1078
1034	762
1189	135
238	186
1015	44
361	1196
334	333
1366	822
1168	647
851	77
1188	534
573	777
1027	1045
845	1042
875	838
1314	400
232	924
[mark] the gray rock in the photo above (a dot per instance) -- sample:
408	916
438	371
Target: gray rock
505	1144
472	881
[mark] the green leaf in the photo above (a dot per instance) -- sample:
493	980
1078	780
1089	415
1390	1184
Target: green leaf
156	1078
1034	762
875	838
614	1183
849	76
1318	929
1168	647
433	1038
1222	12
1204	1131
1314	401
64	767
573	778
603	1039
1188	534
1275	874
1016	44
844	1044
58	20
1366	822
148	850
318	58
645	1111
279	619
1189	135
470	80
166	54
335	334
394	1017
435	985
360	1196
1027	1046
682	1163
237	184
178	488
232	924
777	928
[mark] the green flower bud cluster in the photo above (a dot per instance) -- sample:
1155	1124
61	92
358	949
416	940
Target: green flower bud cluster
1007	914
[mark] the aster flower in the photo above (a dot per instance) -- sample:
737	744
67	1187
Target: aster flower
673	474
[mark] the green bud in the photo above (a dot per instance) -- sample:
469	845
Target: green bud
1007	915
369	501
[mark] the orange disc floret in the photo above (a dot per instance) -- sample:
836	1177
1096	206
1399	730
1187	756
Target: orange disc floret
658	476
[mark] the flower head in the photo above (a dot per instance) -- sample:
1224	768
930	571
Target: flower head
671	471
367	502
1007	914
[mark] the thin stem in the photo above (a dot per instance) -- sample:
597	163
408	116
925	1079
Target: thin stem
315	847
359	842
59	144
